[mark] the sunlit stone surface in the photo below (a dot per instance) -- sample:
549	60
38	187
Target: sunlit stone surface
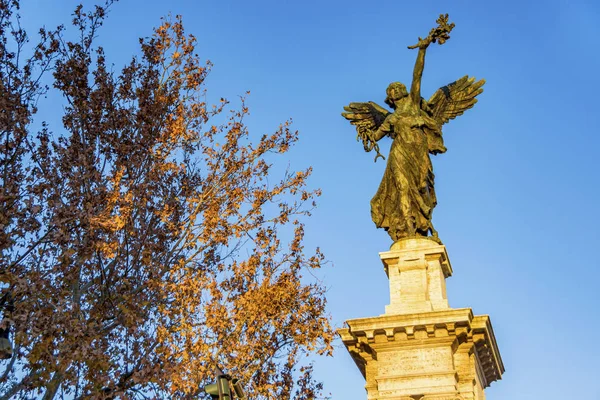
421	349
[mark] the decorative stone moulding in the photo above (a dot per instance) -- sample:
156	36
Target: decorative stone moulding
447	354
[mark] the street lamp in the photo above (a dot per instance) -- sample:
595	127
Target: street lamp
6	350
8	307
221	390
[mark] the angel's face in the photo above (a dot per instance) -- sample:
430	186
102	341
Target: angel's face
396	91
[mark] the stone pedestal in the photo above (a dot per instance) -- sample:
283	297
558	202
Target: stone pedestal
417	270
421	349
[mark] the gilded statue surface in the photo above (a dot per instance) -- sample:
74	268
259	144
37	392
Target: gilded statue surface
405	200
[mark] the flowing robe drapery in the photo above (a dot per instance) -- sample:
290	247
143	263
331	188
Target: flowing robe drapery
404	202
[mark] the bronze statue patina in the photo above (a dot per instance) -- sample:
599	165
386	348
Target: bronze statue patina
404	202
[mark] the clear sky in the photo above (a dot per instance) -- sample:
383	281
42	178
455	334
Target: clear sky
517	189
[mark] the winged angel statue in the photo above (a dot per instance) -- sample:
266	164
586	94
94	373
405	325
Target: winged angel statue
404	202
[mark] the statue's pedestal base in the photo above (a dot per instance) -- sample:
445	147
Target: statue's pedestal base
421	349
442	355
417	270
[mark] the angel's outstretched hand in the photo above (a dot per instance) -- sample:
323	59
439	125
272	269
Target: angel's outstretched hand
423	43
439	34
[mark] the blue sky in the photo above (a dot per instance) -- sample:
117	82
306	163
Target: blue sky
517	189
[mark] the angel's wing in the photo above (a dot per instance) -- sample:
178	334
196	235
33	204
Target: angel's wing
366	115
454	99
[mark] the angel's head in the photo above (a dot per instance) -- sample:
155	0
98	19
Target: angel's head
395	91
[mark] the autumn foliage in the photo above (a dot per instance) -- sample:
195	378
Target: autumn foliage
142	236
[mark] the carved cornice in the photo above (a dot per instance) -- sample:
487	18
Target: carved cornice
366	336
487	349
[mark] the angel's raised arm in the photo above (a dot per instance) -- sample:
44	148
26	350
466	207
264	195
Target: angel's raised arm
415	87
439	34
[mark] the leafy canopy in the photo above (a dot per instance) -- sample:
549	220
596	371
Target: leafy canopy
143	240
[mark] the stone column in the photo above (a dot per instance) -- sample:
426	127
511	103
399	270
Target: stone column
421	349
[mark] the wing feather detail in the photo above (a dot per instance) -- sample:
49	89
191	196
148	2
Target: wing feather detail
365	115
452	100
